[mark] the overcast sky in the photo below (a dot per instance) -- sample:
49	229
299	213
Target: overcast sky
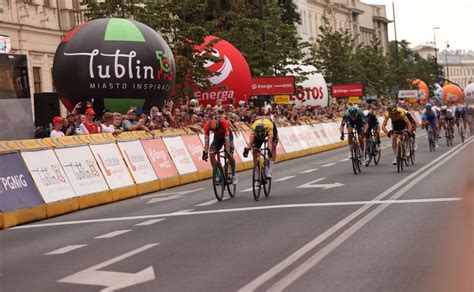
417	18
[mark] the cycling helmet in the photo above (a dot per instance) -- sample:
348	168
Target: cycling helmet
260	132
444	108
392	107
353	111
193	102
428	106
366	112
214	124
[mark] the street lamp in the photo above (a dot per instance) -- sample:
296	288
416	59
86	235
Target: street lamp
447	65
436	51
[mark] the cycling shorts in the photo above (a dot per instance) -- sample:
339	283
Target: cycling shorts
218	142
358	125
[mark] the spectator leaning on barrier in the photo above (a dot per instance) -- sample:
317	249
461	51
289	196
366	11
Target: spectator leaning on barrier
89	126
107	124
57	126
117	123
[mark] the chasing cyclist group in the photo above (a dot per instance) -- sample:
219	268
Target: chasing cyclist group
363	122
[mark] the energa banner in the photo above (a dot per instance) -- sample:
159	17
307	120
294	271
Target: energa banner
48	175
180	155
195	147
160	159
81	170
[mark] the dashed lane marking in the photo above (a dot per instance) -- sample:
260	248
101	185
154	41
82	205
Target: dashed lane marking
113	234
345	159
329	164
309	170
211	202
246	190
285	178
65	249
149	222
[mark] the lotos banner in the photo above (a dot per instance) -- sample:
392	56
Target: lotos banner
113	58
81	170
194	146
17	189
137	161
112	166
159	158
234	74
180	155
48	175
273	85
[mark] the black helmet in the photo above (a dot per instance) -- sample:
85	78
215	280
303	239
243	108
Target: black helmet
353	111
260	131
392	107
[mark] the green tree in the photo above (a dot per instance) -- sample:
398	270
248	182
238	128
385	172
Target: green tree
334	55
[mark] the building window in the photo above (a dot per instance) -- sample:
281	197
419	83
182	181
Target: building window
76	4
47	3
37	79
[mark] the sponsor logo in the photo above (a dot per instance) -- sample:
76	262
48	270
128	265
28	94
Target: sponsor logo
215	95
50	176
156	155
224	68
84	172
195	150
13	182
309	93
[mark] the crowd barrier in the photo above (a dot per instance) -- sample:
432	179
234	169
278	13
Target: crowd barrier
45	178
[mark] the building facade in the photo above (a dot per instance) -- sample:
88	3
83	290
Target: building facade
35	28
364	21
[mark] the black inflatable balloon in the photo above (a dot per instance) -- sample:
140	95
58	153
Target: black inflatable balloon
114	58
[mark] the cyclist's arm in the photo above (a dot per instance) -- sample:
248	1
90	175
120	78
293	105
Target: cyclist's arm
407	122
227	131
384	125
206	138
343	123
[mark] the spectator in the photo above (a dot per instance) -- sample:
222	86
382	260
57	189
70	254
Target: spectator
70	126
89	126
117	122
107	124
57	126
132	124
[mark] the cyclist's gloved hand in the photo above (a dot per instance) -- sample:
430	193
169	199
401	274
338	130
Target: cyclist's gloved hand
367	134
205	155
342	137
389	134
246	152
270	153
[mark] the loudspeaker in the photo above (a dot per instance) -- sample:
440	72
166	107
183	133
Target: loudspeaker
46	108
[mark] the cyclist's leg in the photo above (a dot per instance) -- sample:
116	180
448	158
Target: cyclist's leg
257	143
360	132
231	158
216	146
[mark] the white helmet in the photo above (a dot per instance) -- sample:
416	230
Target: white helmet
366	112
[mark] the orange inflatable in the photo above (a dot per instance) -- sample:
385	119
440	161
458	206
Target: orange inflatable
424	92
452	93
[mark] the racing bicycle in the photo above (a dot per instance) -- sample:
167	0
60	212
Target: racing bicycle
461	129
259	176
371	149
431	138
401	150
449	134
222	177
356	153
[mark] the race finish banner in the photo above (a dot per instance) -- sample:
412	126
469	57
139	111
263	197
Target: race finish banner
180	155
82	170
48	175
159	158
17	189
111	163
346	90
137	161
273	85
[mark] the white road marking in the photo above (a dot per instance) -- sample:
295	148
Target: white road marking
183	211
345	159
149	222
161	197
384	147
112	280
309	170
232	210
285	178
291	259
312	184
65	249
211	202
246	190
327	165
113	234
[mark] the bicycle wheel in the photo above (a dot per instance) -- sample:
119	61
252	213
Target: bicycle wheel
378	153
369	152
461	131
412	152
256	181
399	157
231	188
405	156
359	156
430	140
267	184
354	158
219	186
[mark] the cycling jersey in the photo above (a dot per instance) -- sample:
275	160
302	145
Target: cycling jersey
372	121
430	116
267	123
449	115
399	119
223	131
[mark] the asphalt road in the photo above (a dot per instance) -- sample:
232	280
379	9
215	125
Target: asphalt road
377	231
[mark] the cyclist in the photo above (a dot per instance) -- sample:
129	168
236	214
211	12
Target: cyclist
263	128
354	118
373	125
400	123
413	125
460	112
222	136
447	118
429	116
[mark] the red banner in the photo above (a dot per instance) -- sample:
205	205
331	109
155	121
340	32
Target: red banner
273	85
347	90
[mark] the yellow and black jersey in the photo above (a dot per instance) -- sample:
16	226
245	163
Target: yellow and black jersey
267	123
396	116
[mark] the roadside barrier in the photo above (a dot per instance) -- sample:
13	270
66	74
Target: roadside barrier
49	177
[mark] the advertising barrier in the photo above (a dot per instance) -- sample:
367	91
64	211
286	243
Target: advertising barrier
17	189
112	165
240	144
180	155
289	140
195	148
48	175
273	85
159	158
82	170
137	161
322	134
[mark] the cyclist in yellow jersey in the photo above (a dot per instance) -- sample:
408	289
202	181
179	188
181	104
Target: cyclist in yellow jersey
400	122
262	129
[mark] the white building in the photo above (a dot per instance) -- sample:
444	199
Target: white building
364	21
35	28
